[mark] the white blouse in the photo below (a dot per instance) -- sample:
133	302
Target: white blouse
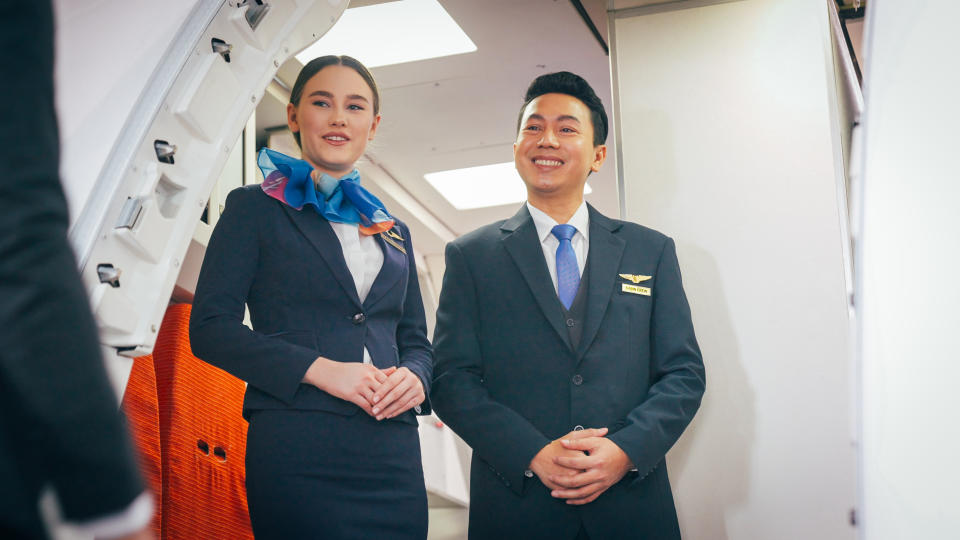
364	260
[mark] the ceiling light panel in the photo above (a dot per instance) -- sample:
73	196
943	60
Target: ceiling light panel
393	33
481	187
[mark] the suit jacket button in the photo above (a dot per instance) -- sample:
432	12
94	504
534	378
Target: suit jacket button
528	473
578	379
359	318
578	427
571	323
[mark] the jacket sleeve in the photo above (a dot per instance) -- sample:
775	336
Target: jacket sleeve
500	436
60	421
676	372
217	332
416	354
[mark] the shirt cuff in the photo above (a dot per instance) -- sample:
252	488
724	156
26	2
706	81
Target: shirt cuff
133	518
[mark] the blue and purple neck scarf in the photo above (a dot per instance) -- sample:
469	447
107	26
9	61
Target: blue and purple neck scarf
341	200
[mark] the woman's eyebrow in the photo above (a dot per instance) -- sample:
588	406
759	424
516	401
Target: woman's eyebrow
324	93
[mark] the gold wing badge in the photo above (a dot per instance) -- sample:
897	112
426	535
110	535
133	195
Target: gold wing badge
394	240
635	289
635	278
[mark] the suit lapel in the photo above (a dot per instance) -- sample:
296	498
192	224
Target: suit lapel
320	234
393	263
523	244
606	250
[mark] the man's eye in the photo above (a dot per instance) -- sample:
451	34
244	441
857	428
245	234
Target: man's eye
568	130
532	128
321	104
355	107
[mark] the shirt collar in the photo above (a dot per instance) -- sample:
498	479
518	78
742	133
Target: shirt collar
544	223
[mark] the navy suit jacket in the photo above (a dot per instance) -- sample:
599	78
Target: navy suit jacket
287	266
508	381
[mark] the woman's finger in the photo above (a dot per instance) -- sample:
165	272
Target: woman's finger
362	402
381	391
398	405
388	400
396	377
411	398
382	374
407	403
367	392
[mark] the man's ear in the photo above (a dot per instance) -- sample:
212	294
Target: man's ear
599	156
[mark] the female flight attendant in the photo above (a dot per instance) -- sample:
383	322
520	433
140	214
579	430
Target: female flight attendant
338	360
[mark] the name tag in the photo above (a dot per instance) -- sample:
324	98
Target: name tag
635	289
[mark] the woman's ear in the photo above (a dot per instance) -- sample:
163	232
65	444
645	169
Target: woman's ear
292	118
373	127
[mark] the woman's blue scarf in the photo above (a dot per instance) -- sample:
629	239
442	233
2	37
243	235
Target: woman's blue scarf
343	200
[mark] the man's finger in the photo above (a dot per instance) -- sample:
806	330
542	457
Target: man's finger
579	462
588	443
578	493
585	433
564	471
575	481
591	498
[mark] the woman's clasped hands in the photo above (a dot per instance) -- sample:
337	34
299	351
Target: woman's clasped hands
381	393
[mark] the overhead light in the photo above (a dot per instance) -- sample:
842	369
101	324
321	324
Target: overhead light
392	33
483	186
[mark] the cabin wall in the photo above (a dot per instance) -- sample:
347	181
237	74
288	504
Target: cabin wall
725	114
906	194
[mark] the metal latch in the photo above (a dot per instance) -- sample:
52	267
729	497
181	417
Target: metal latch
222	48
165	151
256	9
108	274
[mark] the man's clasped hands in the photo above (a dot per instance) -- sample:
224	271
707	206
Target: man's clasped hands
581	465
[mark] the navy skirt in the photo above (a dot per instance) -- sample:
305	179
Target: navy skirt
314	474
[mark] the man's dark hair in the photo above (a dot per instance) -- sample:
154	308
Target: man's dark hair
571	84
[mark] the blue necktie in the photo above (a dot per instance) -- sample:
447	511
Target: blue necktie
568	274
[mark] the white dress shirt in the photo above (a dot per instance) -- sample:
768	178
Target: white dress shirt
364	260
580	241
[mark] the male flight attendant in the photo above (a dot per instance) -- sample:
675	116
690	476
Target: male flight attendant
565	353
